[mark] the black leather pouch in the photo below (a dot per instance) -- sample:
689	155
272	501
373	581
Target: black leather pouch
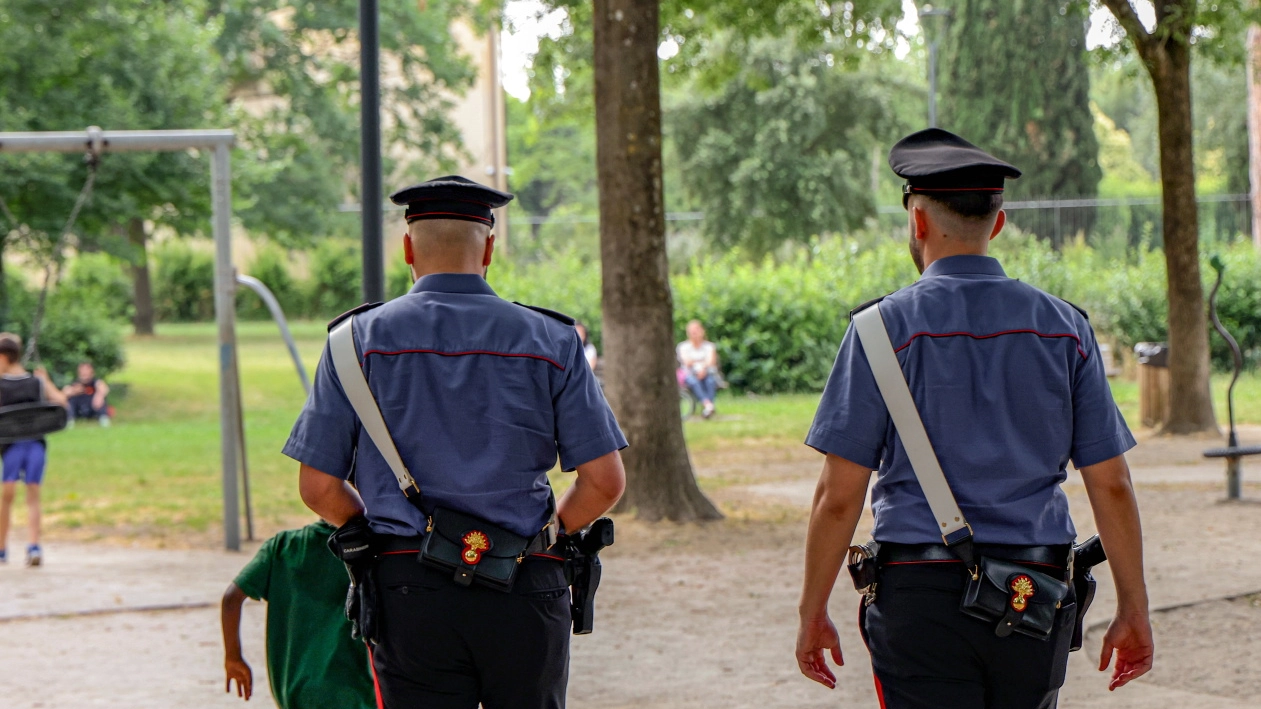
1014	598
472	549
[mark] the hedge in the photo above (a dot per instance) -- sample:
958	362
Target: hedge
777	322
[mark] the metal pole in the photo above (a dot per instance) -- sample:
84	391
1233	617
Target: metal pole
243	461
273	306
932	84
225	315
370	151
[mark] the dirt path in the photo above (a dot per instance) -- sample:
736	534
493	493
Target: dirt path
689	616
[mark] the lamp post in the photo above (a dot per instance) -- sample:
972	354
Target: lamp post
370	151
930	11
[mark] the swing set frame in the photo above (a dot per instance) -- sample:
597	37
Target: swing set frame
219	142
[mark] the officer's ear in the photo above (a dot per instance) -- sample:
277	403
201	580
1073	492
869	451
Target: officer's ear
998	223
919	222
409	256
490	250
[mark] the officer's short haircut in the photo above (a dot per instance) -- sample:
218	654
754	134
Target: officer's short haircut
971	205
10	347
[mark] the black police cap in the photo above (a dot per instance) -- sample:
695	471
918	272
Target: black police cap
936	161
451	197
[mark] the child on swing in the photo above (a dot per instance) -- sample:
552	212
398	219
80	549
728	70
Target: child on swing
23	460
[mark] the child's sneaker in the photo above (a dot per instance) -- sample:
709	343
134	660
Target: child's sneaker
4	556
34	557
104	421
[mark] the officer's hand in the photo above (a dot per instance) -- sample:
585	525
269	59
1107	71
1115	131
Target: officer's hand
240	671
1130	636
813	637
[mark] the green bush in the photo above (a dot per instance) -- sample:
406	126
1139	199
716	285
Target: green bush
75	331
271	266
336	277
101	279
184	280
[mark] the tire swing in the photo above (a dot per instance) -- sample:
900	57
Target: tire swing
19	422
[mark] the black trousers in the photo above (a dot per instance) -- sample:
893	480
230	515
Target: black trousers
926	654
445	646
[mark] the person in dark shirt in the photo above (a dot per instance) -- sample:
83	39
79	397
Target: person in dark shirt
312	660
23	460
86	395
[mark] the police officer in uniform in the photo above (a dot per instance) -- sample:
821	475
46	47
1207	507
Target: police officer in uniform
1010	387
481	396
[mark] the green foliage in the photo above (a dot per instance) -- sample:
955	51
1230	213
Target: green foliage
74	331
183	283
566	282
336	277
783	151
126	64
1044	127
98	279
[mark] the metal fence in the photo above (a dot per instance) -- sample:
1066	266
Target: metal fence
1130	222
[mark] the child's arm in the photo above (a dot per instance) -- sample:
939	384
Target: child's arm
51	392
233	662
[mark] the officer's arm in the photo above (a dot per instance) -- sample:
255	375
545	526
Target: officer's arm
838	503
598	487
1116	517
329	496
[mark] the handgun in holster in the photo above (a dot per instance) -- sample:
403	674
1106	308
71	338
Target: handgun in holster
583	569
1086	556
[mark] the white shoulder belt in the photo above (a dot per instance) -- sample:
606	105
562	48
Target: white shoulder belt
906	419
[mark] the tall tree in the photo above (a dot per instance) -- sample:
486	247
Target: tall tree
638	332
1166	52
782	150
1044	127
128	64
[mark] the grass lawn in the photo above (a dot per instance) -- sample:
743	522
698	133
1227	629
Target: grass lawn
155	474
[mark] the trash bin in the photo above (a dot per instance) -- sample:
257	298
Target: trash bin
1153	383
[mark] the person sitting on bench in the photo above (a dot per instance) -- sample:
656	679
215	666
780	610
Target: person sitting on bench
87	396
698	358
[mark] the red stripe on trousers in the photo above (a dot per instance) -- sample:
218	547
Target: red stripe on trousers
376	685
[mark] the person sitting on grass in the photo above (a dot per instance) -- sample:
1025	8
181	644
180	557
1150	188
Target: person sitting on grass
87	396
312	661
698	358
23	460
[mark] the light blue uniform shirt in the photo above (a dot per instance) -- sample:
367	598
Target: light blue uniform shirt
1010	386
480	396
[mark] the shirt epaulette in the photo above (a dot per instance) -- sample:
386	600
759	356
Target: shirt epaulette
1084	314
866	305
549	313
357	309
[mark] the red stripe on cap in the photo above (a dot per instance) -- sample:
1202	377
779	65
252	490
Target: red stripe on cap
449	214
442	199
956	189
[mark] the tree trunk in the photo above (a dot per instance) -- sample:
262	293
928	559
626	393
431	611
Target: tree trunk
1254	129
1190	400
143	291
638	307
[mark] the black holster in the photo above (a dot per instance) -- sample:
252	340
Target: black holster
1086	555
583	571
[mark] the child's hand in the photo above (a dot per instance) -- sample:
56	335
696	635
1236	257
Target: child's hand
41	373
240	671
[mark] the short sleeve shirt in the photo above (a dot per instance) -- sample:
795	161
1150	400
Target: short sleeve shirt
690	355
1010	386
481	396
311	659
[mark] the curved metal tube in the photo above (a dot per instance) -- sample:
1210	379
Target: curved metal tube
1220	266
279	316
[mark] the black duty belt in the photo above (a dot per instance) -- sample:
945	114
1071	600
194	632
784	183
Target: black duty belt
390	545
1055	557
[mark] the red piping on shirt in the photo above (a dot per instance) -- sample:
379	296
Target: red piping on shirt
974	336
552	362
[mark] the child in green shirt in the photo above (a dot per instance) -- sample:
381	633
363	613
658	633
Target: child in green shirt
311	659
